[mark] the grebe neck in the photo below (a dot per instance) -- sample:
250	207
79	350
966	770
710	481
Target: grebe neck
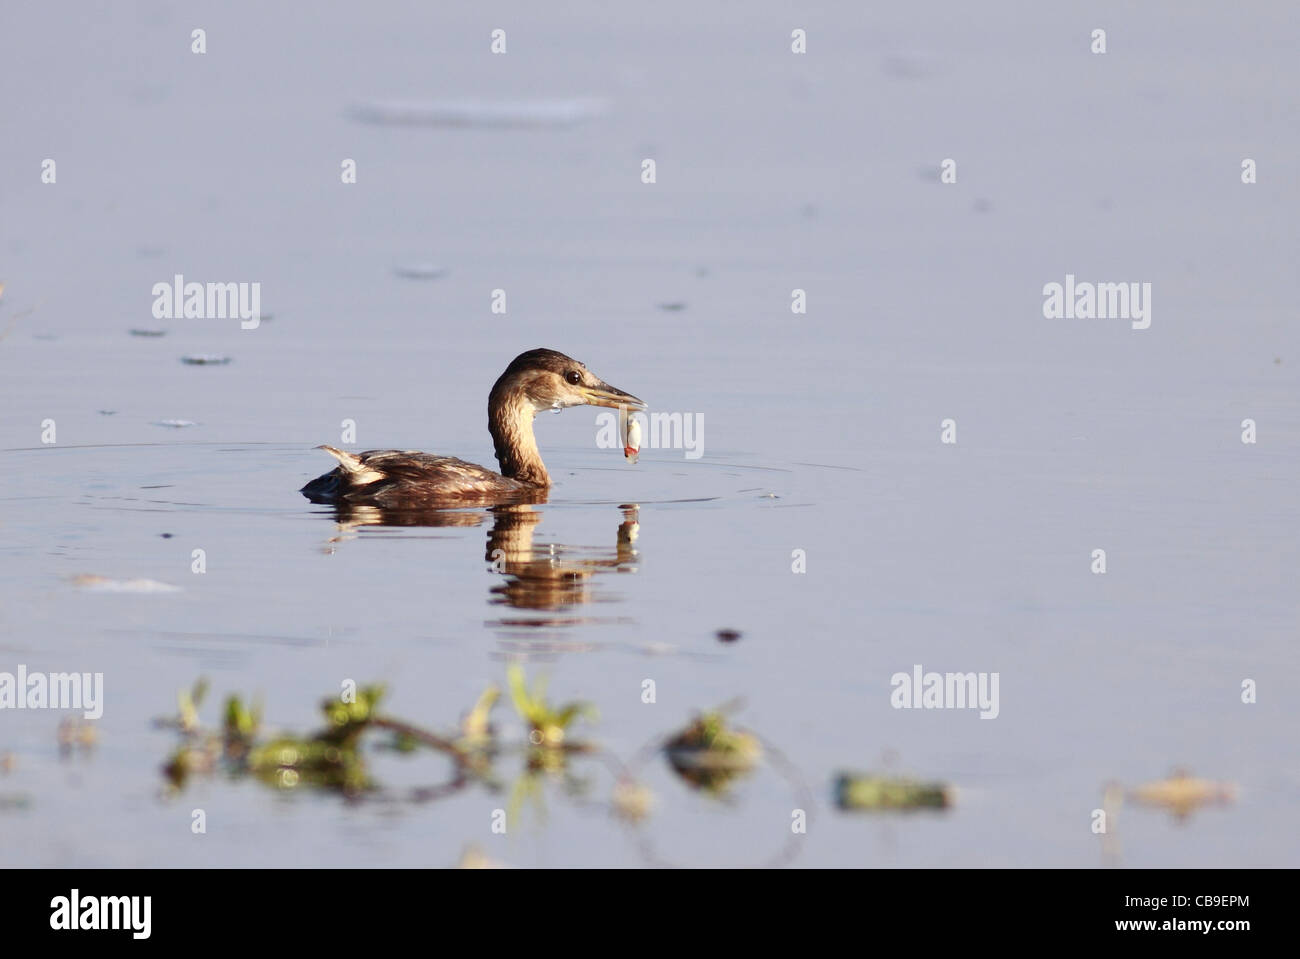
510	420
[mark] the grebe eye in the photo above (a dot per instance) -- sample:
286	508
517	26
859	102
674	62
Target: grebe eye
574	377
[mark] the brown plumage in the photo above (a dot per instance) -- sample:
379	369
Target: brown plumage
407	479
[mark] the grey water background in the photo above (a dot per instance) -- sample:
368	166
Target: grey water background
821	431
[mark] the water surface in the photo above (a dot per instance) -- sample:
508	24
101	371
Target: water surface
821	430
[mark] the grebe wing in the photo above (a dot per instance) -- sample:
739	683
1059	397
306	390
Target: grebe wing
403	475
412	466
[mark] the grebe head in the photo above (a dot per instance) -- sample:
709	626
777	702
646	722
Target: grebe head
535	381
550	380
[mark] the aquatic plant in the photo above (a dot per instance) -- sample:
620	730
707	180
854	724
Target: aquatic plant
547	725
710	755
330	758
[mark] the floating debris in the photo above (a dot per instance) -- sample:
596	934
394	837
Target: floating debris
175	424
102	584
479	113
148	332
675	306
8	762
873	791
710	755
108	412
77	732
1182	793
727	635
475	858
632	801
205	359
420	271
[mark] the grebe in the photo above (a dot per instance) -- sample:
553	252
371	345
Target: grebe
405	479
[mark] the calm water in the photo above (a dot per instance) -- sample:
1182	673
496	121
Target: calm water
821	431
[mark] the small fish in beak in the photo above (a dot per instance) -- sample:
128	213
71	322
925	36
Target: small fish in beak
630	429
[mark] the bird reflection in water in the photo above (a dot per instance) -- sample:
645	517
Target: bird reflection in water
550	578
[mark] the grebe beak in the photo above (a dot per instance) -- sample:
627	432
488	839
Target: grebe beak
606	395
